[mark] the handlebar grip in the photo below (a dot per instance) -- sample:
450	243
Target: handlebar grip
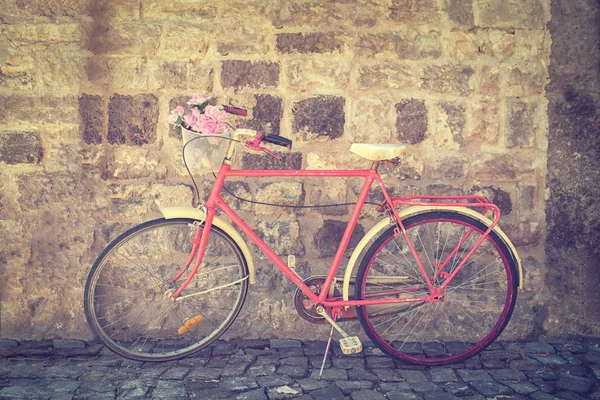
235	110
279	141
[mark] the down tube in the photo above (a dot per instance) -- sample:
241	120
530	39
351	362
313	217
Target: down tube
266	249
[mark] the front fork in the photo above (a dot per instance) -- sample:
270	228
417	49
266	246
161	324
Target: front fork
199	243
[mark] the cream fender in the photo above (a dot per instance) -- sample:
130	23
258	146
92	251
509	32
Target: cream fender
198	214
409	212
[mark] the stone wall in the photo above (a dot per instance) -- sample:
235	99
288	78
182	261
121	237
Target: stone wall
86	88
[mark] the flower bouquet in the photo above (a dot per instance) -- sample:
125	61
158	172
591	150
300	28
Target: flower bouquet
201	128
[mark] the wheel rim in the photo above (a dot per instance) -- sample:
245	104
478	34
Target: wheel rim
477	305
129	290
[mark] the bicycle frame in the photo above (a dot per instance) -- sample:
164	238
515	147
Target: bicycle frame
215	201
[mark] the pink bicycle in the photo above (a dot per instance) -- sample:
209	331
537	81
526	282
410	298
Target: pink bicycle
433	283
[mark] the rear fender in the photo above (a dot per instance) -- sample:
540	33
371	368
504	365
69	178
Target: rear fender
198	214
384	224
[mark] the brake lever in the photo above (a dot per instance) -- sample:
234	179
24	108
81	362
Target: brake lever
254	144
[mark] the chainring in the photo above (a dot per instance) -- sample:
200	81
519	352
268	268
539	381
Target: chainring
304	306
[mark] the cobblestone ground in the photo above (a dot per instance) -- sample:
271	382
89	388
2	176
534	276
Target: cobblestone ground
284	369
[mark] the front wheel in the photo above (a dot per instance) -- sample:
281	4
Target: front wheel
477	303
127	295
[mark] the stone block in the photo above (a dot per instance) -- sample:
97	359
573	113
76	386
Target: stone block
448	79
37	33
497	196
319	116
500	167
330	193
486	120
318	74
60	67
181	11
128	72
50	8
461	12
281	193
528	14
68	344
370	119
17	69
389	75
239	74
183	42
415	11
282	236
132	120
321	160
16	109
328	237
462	46
20	148
448	168
411	121
266	115
242	190
450	125
133	163
404	43
289	160
521	124
307	43
127	38
91	113
169	75
237	35
526	79
200	76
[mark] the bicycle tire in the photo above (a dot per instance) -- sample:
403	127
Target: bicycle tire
127	294
478	304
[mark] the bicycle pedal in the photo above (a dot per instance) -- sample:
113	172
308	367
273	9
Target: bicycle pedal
351	345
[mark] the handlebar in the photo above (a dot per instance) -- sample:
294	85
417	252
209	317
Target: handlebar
235	110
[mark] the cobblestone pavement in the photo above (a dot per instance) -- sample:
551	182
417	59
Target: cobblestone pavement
283	369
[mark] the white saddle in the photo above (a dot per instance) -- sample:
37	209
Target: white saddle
377	152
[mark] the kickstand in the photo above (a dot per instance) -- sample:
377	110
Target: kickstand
326	352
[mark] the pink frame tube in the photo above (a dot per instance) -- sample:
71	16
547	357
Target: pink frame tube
215	201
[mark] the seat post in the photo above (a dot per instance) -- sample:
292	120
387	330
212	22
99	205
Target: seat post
375	165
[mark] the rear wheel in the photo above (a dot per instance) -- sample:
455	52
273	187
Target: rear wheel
127	295
478	301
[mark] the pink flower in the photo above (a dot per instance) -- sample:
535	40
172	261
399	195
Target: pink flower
206	125
216	114
175	114
197	99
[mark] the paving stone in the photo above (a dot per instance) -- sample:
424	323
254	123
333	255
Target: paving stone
379	362
348	362
348	387
439	396
218	362
544	386
24	391
258	344
367	395
424	387
576	384
285	343
283	392
261	370
403	395
388	375
204	373
394	386
313	348
68	344
256	394
442	375
490	388
310	384
177	373
549	360
223	349
8	343
507	375
295	371
331	374
331	392
523	388
358	374
458	389
238	384
538	348
569	396
413	376
539	395
545	374
274	380
301	361
169	390
474	375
